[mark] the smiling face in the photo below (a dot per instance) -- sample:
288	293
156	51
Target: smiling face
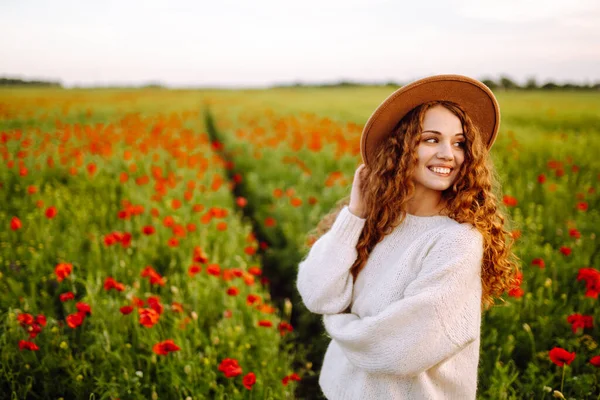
440	152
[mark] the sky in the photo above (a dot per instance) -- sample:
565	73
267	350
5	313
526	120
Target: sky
258	43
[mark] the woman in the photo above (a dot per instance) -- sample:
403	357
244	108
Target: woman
407	265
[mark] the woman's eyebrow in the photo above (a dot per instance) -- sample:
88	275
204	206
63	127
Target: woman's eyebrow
438	133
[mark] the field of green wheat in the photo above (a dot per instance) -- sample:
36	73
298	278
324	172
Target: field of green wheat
150	241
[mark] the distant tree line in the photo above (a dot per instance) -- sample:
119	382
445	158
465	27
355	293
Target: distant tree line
506	83
502	83
22	82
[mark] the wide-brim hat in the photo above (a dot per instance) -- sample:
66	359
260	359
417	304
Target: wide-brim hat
475	98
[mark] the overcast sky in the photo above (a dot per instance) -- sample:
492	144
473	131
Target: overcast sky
254	43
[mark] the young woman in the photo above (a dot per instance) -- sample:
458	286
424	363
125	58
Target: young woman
404	268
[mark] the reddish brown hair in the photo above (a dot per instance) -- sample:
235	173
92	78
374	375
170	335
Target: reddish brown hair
473	198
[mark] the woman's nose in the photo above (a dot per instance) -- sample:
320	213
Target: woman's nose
445	152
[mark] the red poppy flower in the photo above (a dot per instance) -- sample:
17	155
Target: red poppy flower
565	250
194	269
284	328
582	206
265	323
165	347
539	263
110	283
252	298
294	377
591	277
516	290
125	310
15	223
595	361
84	308
148	317
66	296
233	291
254	270
230	367
249	380
148	230
25	345
25	319
214	269
75	319
154	303
560	356
510	201
155	277
41	319
62	270
51	212
541	178
574	233
578	321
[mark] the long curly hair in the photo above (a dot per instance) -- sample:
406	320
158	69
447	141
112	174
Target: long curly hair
472	198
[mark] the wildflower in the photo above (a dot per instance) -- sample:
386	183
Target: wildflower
595	361
252	298
509	201
194	269
582	206
66	296
25	345
148	317
154	303
591	277
148	230
574	233
15	223
126	310
165	347
110	283
565	250
62	271
265	323
230	367
541	178
155	277
84	308
25	319
249	380
76	319
580	321
284	328
51	212
539	263
560	356
516	290
233	291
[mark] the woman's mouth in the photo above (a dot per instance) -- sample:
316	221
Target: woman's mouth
439	171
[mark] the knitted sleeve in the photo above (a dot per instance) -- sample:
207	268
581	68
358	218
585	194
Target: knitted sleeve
438	316
324	280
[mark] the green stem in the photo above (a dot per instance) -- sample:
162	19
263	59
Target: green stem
563	378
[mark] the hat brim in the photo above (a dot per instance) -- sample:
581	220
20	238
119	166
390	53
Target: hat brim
476	99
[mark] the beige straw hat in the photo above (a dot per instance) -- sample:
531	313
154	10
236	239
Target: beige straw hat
476	98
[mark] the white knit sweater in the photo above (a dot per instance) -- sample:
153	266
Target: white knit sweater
414	327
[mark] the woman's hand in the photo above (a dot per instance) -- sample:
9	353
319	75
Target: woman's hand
357	206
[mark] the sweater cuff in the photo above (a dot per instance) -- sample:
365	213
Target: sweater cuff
347	227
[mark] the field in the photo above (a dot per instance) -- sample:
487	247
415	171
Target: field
151	237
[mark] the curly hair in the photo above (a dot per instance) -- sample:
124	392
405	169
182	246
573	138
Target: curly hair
472	198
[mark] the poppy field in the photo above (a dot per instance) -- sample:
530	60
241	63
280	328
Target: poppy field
151	238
